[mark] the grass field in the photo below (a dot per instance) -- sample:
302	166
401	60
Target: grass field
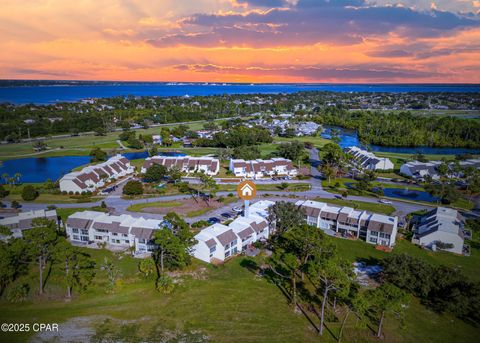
227	303
140	207
79	145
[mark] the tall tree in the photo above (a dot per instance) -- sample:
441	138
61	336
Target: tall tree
40	241
208	184
330	274
387	299
78	268
283	216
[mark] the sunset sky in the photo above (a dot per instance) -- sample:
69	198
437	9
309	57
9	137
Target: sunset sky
241	40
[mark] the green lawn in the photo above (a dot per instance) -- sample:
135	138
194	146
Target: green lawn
227	303
354	250
140	207
292	187
79	145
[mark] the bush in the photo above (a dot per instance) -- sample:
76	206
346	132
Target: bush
29	193
165	284
18	293
230	195
133	188
15	204
3	192
200	224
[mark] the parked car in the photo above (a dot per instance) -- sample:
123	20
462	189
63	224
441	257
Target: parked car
226	215
213	220
384	201
237	209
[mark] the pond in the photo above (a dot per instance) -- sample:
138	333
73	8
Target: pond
403	193
39	169
408	194
350	138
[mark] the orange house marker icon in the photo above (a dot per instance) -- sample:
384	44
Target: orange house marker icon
246	190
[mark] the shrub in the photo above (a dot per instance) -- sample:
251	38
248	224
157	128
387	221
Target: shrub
18	293
29	193
165	284
230	195
15	204
3	192
133	188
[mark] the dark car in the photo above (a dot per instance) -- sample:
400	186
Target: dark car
213	220
226	215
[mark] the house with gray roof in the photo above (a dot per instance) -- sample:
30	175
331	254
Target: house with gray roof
440	228
219	242
347	222
117	232
95	176
369	161
23	221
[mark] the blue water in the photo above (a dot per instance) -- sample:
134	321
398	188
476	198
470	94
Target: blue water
67	93
350	138
409	195
39	169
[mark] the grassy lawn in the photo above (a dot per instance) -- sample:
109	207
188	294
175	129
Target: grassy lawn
140	207
355	250
317	140
79	145
228	303
361	205
292	187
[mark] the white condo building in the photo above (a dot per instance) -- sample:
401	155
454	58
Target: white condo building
255	169
219	242
23	221
368	161
117	231
95	176
440	225
186	164
374	228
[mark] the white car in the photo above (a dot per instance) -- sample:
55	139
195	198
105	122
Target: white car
385	201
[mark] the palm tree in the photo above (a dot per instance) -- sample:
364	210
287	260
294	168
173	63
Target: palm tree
5	177
17	177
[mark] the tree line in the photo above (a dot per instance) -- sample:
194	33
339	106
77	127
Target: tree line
405	128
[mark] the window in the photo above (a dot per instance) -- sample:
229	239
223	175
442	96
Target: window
226	247
84	232
374	233
141	240
124	235
115	234
84	238
373	240
227	253
234	243
98	237
75	230
213	249
75	237
127	241
382	235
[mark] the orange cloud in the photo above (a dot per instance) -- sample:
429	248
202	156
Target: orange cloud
234	41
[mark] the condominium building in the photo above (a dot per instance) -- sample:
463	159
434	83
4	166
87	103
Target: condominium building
23	221
254	169
368	161
95	176
440	228
116	231
186	164
374	228
219	242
